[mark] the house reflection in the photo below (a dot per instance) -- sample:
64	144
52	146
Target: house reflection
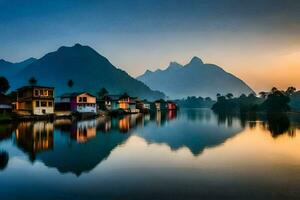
83	130
34	137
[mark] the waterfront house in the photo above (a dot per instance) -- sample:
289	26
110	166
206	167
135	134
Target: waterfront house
5	104
132	105
143	106
82	102
115	102
160	105
109	102
171	105
35	100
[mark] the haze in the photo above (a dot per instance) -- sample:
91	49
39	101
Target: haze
258	41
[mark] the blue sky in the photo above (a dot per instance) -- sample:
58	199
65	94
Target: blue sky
244	37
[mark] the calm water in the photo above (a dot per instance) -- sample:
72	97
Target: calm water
190	154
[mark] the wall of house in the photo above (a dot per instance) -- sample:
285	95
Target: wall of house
41	109
87	108
89	99
146	106
25	105
114	105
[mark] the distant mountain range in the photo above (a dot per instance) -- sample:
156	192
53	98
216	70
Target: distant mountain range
89	71
194	79
8	69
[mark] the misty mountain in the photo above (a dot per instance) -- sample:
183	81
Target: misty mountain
89	70
8	69
194	79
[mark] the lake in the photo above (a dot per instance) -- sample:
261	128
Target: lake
189	154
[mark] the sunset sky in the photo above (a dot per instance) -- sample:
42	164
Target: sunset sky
258	41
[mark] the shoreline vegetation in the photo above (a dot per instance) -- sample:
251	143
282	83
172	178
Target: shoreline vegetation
274	101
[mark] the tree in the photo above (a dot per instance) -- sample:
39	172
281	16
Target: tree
229	96
263	94
274	89
4	85
32	81
70	83
243	96
103	92
290	90
277	101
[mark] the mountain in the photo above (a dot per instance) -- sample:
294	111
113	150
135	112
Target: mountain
89	71
8	69
194	79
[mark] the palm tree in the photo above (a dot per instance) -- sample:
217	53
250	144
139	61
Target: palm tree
32	81
4	85
70	83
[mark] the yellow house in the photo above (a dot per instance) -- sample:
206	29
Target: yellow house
35	100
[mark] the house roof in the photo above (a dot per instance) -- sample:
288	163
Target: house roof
36	86
75	94
160	101
116	97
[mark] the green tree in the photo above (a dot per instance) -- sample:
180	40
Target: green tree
290	90
102	92
277	101
263	94
229	96
4	85
32	81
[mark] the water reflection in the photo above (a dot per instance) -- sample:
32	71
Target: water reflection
194	129
79	146
35	137
276	124
3	159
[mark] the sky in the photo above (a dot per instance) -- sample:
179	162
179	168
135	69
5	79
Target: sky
256	40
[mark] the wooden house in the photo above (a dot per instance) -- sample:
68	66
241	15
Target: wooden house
35	100
171	105
77	102
160	105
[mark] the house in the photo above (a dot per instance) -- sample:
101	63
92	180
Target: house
115	102
5	104
160	105
132	105
77	102
171	105
35	100
143	106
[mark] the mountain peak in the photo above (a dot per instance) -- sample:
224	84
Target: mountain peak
196	60
148	71
174	65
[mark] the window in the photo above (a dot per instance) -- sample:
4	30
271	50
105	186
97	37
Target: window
37	103
80	99
50	92
45	92
44	104
84	99
36	93
50	104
